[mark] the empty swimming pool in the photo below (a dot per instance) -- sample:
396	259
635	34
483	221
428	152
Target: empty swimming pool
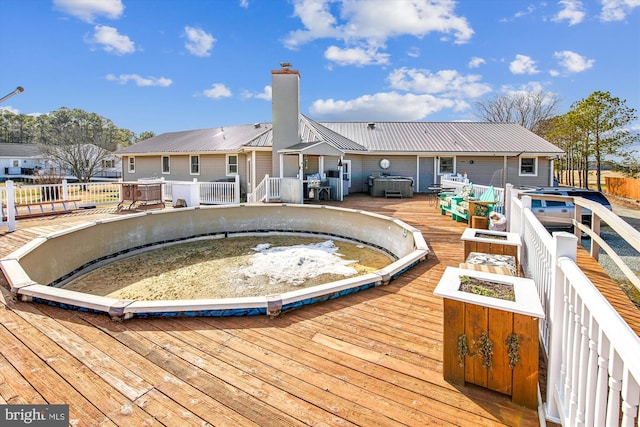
37	269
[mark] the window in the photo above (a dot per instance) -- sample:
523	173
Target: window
132	164
446	165
232	164
195	165
166	165
108	164
528	166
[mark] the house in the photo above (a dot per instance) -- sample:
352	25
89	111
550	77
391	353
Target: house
25	161
18	161
356	153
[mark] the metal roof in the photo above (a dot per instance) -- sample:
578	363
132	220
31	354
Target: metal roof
480	138
311	131
441	137
19	151
225	139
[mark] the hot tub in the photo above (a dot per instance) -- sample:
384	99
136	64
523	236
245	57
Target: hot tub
380	186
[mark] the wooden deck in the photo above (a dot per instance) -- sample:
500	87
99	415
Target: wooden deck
369	359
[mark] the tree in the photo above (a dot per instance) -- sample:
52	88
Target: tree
18	128
78	141
145	135
527	109
560	131
602	120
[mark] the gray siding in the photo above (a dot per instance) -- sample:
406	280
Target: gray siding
146	167
489	171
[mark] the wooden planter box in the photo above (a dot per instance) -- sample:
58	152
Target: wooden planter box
490	242
509	329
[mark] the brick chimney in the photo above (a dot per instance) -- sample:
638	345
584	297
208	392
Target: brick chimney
285	113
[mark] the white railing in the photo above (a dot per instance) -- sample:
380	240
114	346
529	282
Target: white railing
98	193
478	190
537	259
593	369
94	193
600	370
454	177
268	189
220	193
90	193
7	209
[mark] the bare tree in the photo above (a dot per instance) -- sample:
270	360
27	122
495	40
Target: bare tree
78	141
527	109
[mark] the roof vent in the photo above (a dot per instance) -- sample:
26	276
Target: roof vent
371	125
256	125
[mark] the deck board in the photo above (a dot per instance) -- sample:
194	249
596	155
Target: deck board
371	358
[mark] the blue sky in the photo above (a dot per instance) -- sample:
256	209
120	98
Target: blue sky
169	65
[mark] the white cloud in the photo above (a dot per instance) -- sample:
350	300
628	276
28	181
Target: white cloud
112	41
532	86
218	90
448	83
573	62
572	11
413	52
244	3
523	64
355	56
139	80
199	43
88	10
265	94
617	10
530	9
370	23
475	62
388	106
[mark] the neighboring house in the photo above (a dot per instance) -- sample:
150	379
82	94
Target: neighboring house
19	160
297	146
23	161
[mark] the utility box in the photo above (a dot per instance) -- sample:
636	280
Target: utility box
187	192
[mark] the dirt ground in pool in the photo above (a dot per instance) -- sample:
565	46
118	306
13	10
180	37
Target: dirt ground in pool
214	268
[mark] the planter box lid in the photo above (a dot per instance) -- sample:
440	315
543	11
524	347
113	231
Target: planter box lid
527	301
512	239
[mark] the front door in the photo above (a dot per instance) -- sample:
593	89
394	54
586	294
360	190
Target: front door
426	177
346	177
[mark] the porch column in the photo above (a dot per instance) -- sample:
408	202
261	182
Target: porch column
281	166
301	166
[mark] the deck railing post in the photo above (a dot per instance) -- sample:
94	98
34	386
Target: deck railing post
236	190
564	245
65	190
268	188
10	192
506	197
526	204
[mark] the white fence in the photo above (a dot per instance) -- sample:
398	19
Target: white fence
45	196
267	190
593	368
